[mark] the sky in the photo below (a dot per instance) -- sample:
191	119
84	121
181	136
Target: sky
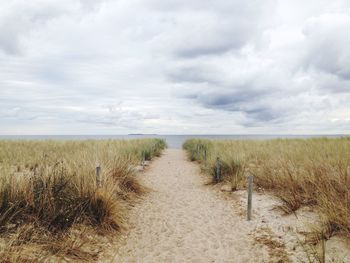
174	67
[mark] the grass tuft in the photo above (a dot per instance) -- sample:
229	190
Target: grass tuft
301	172
47	188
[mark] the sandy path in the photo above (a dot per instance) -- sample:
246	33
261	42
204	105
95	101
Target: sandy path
182	220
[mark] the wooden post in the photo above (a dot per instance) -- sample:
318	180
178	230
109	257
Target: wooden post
143	159
323	249
250	195
218	170
198	152
98	176
205	155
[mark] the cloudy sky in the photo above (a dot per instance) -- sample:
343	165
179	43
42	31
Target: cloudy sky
174	67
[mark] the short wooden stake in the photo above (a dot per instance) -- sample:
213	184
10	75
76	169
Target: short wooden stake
218	170
198	151
205	154
98	176
143	159
250	195
323	248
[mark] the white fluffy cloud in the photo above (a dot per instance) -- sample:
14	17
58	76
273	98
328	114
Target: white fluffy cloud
80	67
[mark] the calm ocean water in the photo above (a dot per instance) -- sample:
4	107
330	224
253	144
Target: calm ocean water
173	141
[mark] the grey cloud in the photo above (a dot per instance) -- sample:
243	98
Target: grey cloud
223	7
193	74
264	113
229	99
92	5
207	28
206	49
19	18
8	43
255	103
253	96
331	82
327	41
217	38
174	66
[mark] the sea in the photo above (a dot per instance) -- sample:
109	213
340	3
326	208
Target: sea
173	141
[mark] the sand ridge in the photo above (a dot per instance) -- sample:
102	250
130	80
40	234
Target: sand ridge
183	220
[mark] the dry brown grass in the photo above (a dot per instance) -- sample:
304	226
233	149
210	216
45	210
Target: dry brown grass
301	172
275	247
48	191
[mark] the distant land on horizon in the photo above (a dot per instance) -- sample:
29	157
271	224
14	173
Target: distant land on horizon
143	134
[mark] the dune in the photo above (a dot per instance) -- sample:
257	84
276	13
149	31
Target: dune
183	220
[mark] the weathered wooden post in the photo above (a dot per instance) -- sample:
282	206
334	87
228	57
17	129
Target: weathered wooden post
323	249
198	151
250	195
143	159
205	154
98	176
218	170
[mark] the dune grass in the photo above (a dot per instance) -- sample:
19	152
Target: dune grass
48	192
301	172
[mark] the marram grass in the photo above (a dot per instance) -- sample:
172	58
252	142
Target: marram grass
301	172
49	187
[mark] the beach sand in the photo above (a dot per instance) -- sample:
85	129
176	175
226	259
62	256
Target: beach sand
183	219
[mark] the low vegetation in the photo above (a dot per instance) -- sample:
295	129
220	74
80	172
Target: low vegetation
301	172
50	204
